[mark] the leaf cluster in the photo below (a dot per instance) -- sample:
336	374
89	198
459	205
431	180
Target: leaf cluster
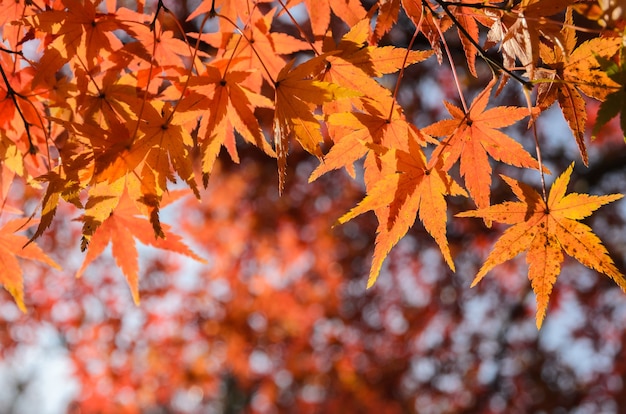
120	105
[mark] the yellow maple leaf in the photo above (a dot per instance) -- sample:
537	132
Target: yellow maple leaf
544	229
573	70
297	96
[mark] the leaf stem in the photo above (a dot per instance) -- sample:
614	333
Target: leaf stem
296	24
160	6
12	93
250	43
13	52
477	6
495	65
537	147
193	59
150	71
403	66
451	60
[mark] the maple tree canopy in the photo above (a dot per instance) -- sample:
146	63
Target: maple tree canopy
114	110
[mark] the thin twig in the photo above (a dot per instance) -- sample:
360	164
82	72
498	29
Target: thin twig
296	24
452	67
479	49
250	43
406	57
160	6
193	59
537	147
12	93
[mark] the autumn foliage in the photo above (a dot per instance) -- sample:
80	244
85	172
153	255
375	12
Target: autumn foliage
111	111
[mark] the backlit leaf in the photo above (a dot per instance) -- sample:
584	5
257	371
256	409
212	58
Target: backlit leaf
544	229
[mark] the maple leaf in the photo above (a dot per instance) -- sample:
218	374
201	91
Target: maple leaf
350	11
64	182
430	25
120	228
161	45
78	31
407	188
11	248
520	30
112	101
230	108
360	132
258	47
544	229
296	96
388	11
354	64
616	101
574	70
168	143
473	136
467	18
93	154
163	140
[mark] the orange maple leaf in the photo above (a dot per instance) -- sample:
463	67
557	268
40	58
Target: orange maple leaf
407	188
107	98
431	25
230	107
350	11
297	96
163	141
164	49
354	64
79	31
258	48
467	19
545	229
10	247
121	227
360	131
166	141
574	71
474	136
387	16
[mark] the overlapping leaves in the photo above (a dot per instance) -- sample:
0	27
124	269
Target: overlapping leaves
124	105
